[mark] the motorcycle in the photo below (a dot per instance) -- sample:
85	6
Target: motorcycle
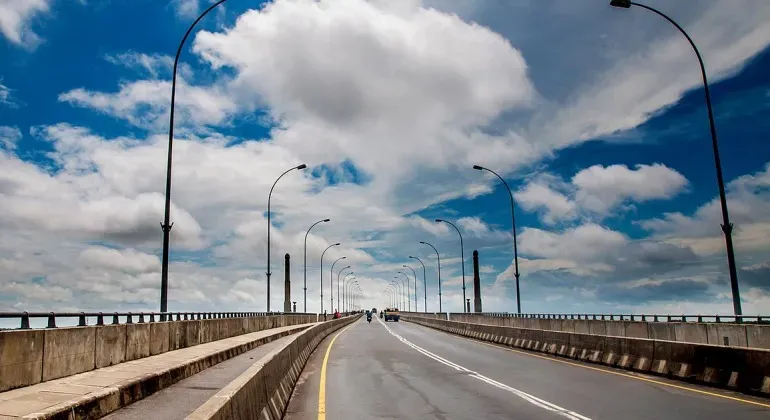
369	319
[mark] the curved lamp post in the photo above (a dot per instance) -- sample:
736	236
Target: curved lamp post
389	291
438	258
308	232
462	256
331	282
399	294
408	300
349	285
727	227
166	225
339	302
424	285
415	287
513	227
322	275
345	283
269	197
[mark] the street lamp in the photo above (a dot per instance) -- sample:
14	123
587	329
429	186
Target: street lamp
339	302
415	287
166	225
513	227
408	300
727	227
399	294
308	232
322	275
462	254
438	258
345	280
331	282
269	197
424	284
389	290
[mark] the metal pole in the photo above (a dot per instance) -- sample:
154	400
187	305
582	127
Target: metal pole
438	258
462	255
339	302
513	227
306	233
322	276
269	197
415	287
727	227
345	283
331	282
166	225
408	300
424	284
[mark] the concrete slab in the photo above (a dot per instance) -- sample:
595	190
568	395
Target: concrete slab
68	351
21	358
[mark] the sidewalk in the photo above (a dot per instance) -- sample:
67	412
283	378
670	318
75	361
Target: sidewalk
96	393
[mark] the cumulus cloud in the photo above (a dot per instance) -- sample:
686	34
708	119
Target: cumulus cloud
15	19
9	136
6	99
597	191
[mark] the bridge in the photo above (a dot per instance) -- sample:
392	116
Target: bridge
427	366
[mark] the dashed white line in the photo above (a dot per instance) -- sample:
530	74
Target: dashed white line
539	402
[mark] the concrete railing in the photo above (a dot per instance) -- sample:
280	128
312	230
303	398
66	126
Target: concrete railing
741	335
263	391
32	356
743	369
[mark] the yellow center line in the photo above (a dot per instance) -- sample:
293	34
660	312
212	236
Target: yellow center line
639	378
322	386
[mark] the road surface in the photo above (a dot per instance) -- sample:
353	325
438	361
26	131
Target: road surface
406	371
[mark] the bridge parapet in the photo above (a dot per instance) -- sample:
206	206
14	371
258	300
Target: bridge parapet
29	356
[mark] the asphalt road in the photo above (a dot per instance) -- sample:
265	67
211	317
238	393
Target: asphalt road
406	371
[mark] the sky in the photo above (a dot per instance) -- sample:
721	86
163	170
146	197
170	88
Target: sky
594	116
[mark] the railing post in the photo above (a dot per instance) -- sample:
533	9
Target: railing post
82	320
51	320
152	316
129	320
100	319
24	321
115	319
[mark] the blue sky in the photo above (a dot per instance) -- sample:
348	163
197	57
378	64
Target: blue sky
595	116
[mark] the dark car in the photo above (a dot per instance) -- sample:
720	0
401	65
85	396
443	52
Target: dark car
374	310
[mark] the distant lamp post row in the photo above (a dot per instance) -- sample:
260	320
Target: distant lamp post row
727	227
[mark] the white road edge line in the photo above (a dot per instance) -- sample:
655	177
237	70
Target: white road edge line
521	394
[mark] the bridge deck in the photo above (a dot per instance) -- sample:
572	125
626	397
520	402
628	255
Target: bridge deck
71	391
407	371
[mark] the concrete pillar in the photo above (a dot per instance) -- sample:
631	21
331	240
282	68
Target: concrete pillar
476	283
287	286
295	307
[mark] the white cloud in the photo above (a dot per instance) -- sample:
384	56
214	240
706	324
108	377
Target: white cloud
748	202
9	136
6	98
474	225
602	188
15	18
539	195
597	191
583	242
187	8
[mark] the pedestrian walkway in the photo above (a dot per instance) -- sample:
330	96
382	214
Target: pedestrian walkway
98	392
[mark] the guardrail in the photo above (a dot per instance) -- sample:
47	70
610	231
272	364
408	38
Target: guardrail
141	317
759	319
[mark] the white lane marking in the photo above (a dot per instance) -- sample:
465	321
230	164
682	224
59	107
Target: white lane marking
539	402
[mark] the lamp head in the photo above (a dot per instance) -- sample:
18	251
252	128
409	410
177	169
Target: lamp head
303	166
327	220
337	244
342	258
411	256
423	243
625	4
439	220
477	167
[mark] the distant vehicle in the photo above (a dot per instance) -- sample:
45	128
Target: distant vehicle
374	310
391	314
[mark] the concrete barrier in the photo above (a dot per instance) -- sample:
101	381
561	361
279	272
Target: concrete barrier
740	368
28	357
263	391
743	335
